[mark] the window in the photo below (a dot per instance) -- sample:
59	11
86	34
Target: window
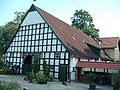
49	42
49	30
27	32
41	36
51	62
57	55
52	55
40	42
37	37
54	41
45	36
37	32
59	48
46	29
48	48
62	55
49	35
53	48
51	68
33	31
30	32
63	48
44	48
41	31
45	42
54	36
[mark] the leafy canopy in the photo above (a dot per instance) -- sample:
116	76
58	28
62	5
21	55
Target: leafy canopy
82	20
8	30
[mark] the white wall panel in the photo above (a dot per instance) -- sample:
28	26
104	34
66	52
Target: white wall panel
32	18
56	75
73	64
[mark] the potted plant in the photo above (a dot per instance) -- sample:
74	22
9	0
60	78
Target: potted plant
91	77
116	81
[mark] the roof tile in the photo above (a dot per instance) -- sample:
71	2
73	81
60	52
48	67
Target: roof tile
73	39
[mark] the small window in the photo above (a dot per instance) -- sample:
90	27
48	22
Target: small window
57	55
51	68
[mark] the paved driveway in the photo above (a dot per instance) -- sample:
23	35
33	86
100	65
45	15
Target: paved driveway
55	85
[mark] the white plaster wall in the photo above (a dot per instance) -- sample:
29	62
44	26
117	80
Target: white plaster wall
112	71
32	18
116	54
73	63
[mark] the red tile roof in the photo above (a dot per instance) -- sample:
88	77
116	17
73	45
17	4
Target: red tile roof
106	65
74	40
110	42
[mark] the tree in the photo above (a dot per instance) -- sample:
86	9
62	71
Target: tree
82	20
7	31
19	16
11	27
4	38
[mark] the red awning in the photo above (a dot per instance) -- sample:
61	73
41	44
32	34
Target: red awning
104	65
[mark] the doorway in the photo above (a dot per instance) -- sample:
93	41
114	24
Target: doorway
63	73
27	64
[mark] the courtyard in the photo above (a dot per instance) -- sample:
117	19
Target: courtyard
54	85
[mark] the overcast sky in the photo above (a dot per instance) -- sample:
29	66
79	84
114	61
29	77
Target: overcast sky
105	13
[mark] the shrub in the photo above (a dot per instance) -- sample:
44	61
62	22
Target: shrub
5	70
36	65
91	77
9	85
34	81
116	79
50	78
41	79
31	76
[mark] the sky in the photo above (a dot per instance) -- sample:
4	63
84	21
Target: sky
105	13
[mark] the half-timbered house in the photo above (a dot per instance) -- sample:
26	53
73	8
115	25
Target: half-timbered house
45	36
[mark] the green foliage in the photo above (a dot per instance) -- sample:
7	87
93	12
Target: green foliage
45	68
8	30
31	76
5	70
36	65
1	63
34	81
4	39
115	79
41	78
91	77
82	20
50	78
9	85
19	16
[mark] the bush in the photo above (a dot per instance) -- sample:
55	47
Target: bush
9	85
31	76
36	65
116	79
50	78
5	70
34	81
91	77
41	79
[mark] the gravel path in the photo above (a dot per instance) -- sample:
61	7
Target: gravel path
55	85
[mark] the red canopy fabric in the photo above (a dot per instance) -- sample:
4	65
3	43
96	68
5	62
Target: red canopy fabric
104	65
